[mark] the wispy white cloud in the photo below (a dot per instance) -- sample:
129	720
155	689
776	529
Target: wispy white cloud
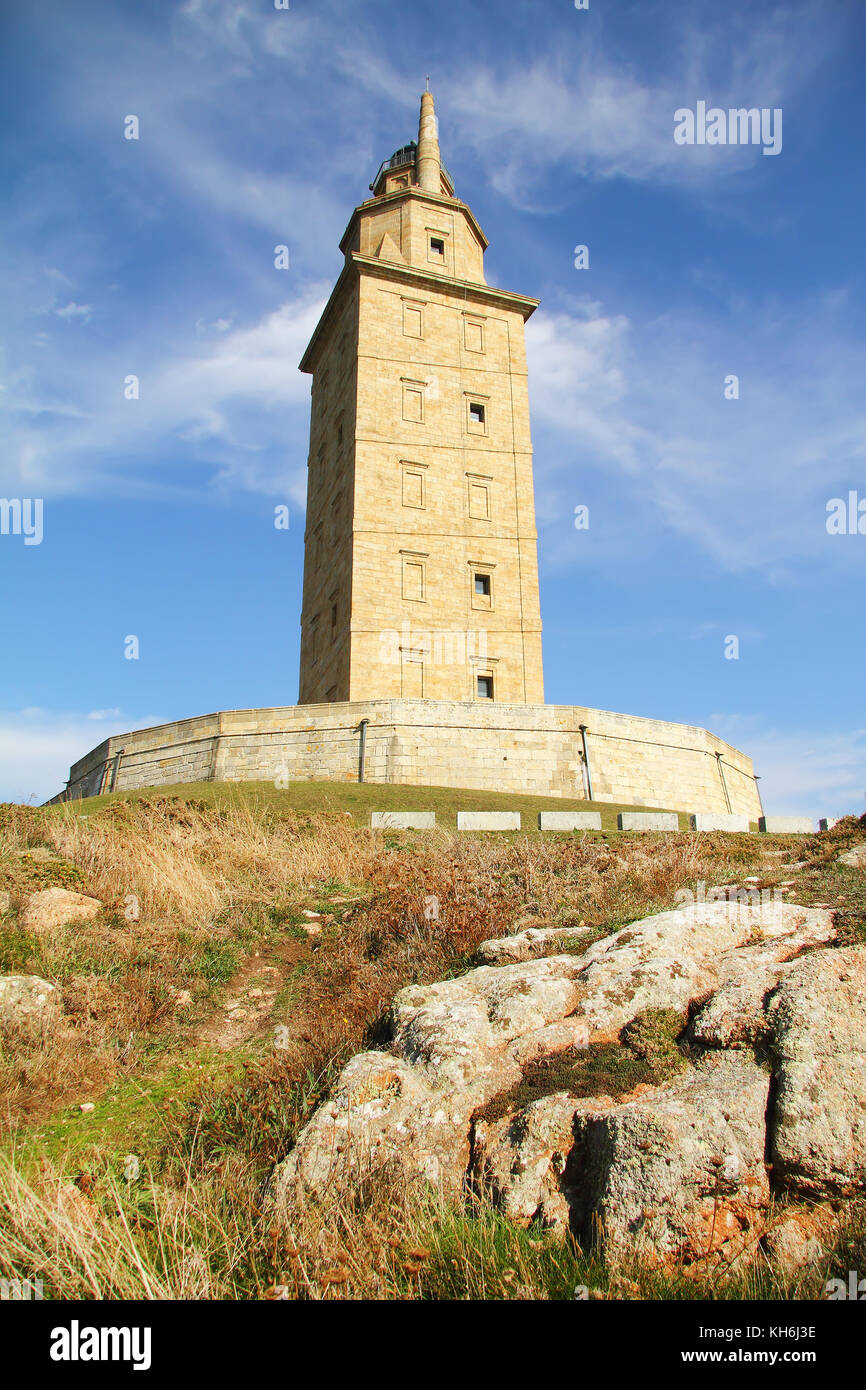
38	747
745	481
233	404
806	772
74	311
580	108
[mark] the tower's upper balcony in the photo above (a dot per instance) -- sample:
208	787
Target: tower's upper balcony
400	171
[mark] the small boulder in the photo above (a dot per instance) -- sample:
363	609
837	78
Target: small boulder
854	858
57	907
27	1002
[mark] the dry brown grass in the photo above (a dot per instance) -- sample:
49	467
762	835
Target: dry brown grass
151	1238
119	1240
204	878
215	882
190	861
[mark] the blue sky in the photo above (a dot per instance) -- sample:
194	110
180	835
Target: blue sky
259	127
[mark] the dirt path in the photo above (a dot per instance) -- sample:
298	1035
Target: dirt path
245	1012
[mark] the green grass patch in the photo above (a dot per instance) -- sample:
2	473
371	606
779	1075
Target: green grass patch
646	1054
358	800
136	1114
215	962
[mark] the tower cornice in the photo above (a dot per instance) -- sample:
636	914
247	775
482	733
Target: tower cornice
414	275
469	289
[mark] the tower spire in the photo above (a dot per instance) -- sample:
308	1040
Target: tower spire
427	160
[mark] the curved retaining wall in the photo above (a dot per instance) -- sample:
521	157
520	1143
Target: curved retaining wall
442	743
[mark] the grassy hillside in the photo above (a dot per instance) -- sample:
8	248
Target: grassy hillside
360	799
269	936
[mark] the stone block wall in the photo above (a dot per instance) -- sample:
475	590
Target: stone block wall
504	748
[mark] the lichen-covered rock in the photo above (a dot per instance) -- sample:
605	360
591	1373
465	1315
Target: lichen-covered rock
528	944
384	1113
855	858
819	1035
735	1015
678	1173
676	958
801	1238
460	1030
55	907
520	1161
27	1002
456	1045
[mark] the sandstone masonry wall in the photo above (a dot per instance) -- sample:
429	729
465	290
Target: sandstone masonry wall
445	743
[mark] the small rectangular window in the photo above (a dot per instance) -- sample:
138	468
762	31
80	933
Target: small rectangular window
476	421
437	246
481	589
485	687
333	616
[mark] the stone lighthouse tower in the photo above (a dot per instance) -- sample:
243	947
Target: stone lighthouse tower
420	569
421	634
